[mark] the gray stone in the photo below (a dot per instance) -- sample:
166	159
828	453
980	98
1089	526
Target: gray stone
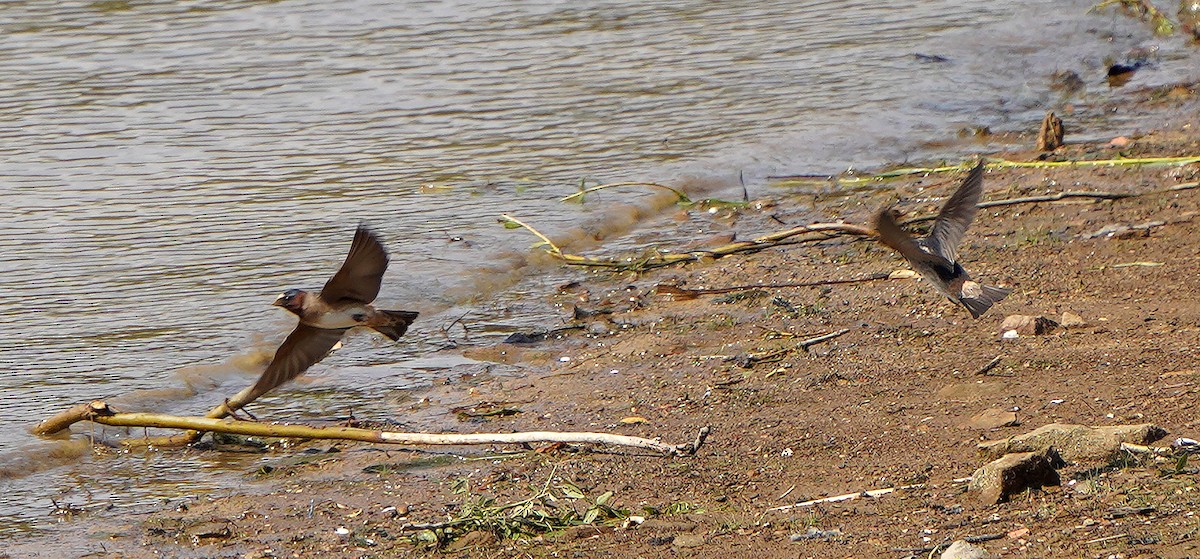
688	540
999	480
1075	442
963	550
992	419
1071	320
814	533
1028	325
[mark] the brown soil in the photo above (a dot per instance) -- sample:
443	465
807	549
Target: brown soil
887	404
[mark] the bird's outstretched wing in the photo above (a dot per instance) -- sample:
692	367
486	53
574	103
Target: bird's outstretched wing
956	215
359	277
893	236
305	346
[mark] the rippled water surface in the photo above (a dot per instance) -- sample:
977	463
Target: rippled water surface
167	168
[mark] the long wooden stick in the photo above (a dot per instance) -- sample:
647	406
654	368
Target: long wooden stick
867	493
685	293
100	412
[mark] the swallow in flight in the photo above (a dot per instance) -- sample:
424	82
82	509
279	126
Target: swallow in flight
344	303
935	257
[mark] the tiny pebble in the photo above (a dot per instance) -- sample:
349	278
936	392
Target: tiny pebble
342	531
563	359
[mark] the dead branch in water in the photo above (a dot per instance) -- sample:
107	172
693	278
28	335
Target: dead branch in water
100	412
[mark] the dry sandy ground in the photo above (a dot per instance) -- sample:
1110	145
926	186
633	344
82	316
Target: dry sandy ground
887	404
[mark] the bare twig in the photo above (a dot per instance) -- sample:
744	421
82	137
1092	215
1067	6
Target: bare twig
848	496
869	493
100	412
683	293
1109	538
1037	199
512	222
682	198
990	365
814	341
753	359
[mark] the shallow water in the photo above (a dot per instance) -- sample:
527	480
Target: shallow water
169	167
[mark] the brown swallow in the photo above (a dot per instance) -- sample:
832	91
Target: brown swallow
344	303
936	256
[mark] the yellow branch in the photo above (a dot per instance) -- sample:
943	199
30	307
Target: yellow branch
100	412
683	198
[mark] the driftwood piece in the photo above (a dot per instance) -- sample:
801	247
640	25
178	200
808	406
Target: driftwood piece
1051	134
683	293
852	496
100	412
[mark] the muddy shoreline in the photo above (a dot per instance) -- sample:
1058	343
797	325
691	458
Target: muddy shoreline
893	402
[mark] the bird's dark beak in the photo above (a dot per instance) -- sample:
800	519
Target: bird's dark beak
278	302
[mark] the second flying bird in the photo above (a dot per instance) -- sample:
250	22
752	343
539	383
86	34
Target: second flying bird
935	257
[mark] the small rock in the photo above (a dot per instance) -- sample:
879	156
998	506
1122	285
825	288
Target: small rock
688	540
999	480
814	533
963	550
992	419
1072	320
1190	446
1075	442
1028	325
1120	141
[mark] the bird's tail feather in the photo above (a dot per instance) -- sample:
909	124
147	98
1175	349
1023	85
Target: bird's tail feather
398	322
990	296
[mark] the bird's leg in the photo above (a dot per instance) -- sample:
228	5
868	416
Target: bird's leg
233	412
